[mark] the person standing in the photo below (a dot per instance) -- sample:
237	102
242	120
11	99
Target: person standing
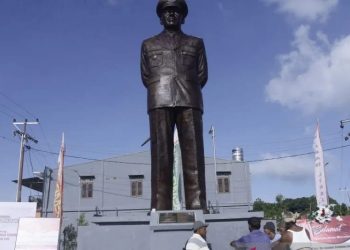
256	239
198	239
174	71
294	237
270	230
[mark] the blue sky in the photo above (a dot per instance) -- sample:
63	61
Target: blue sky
275	67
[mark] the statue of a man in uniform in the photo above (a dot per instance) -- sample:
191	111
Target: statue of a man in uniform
174	71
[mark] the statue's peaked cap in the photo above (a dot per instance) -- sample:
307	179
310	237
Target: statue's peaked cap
181	4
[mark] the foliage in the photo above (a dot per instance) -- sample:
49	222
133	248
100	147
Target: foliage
303	205
70	238
82	220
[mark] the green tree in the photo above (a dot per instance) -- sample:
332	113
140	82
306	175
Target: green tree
70	238
82	220
303	205
258	205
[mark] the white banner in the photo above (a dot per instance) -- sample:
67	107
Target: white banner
10	212
177	180
320	178
38	234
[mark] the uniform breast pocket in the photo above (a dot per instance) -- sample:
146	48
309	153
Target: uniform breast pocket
188	58
156	59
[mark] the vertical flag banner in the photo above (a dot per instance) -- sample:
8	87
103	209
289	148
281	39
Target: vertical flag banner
58	202
320	177
177	170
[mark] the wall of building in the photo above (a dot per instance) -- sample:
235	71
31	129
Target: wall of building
112	188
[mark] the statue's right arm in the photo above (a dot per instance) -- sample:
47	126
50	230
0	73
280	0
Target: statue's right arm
145	73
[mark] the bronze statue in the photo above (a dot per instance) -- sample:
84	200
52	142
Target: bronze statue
174	70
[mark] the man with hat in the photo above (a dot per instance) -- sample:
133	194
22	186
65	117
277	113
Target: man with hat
198	239
174	71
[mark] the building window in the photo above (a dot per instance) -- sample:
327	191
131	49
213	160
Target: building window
223	181
87	186
136	185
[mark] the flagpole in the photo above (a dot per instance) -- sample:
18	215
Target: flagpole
212	133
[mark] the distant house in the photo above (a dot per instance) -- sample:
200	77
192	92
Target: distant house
122	184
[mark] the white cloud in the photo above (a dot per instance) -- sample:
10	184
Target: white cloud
290	169
311	10
314	76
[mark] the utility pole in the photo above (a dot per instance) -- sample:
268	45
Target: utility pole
24	138
345	189
342	123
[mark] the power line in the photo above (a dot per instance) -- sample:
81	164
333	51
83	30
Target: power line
5	113
18	105
11	110
90	159
296	155
219	163
103	191
7	139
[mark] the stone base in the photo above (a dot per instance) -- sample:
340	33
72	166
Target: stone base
161	230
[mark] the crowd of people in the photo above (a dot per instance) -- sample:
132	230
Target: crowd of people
288	235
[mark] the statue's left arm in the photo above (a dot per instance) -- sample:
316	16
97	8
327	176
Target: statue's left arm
202	64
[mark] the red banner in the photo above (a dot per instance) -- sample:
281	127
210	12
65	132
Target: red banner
335	232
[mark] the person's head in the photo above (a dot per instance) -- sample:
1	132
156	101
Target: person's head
270	230
200	228
172	13
289	219
281	227
254	223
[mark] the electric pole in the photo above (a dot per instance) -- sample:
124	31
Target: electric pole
346	138
24	138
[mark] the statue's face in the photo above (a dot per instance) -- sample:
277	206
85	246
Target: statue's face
172	18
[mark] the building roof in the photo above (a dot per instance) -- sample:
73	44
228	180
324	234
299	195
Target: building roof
34	183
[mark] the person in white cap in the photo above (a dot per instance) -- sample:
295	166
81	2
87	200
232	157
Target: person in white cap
198	239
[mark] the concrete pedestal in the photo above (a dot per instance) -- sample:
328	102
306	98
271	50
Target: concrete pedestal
161	230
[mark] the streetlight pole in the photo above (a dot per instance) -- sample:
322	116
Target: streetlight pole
212	133
79	194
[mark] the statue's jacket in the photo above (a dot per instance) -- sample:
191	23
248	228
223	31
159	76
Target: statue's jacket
174	70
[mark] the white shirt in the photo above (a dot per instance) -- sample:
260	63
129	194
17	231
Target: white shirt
196	242
276	238
300	240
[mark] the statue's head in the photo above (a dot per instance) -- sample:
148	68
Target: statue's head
172	13
179	4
